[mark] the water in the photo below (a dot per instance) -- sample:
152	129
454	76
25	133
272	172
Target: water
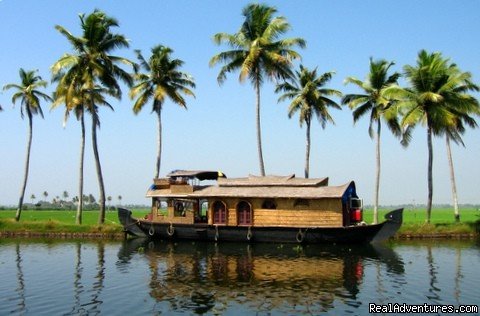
138	277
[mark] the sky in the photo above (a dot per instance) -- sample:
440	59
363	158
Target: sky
217	131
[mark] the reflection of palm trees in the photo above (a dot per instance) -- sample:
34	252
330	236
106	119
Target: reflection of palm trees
99	279
77	284
458	275
432	271
20	290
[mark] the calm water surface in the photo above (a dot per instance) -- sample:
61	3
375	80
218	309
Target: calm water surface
138	277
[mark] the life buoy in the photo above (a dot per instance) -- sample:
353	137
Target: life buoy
151	231
170	230
249	233
300	235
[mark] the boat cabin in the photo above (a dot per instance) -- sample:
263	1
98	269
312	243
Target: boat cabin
272	201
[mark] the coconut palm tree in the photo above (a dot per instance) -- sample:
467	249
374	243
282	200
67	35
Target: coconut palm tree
162	80
380	108
70	93
93	71
258	53
309	98
469	106
436	96
27	91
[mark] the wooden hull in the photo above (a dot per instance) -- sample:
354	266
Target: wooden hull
219	233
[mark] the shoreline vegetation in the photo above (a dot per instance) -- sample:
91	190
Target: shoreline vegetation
61	224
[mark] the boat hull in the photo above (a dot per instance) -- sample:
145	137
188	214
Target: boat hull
219	233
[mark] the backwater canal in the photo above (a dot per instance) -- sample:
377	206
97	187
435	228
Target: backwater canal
141	277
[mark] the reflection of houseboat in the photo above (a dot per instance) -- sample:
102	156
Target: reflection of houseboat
256	209
263	278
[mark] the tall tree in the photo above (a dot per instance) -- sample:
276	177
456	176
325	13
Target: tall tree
309	98
162	80
27	91
379	106
434	98
69	92
258	53
93	71
469	105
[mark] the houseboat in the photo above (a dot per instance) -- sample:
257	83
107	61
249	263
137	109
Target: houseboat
282	209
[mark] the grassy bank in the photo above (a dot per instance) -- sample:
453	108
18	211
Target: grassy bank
36	222
442	222
63	222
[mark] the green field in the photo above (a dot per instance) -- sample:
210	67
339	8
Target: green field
419	216
442	221
58	221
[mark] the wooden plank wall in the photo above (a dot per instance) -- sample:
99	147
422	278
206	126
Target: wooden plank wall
318	213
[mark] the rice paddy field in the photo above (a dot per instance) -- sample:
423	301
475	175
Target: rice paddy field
414	221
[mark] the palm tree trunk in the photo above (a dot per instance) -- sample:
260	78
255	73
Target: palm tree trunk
259	132
27	164
307	151
78	219
452	179
101	201
159	144
430	173
377	176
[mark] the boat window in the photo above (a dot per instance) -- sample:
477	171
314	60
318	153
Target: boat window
202	214
161	207
219	212
244	213
179	209
269	205
301	202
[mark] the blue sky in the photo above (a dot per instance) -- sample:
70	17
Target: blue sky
218	129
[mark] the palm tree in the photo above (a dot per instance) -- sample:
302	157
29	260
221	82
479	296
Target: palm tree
258	53
30	97
70	93
380	107
45	195
435	98
469	105
162	80
309	98
92	72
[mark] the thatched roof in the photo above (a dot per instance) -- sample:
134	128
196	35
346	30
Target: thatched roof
274	181
274	192
262	187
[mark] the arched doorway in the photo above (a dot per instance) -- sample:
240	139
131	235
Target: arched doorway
219	212
244	213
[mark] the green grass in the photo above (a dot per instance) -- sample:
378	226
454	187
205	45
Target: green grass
442	221
58	221
419	216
